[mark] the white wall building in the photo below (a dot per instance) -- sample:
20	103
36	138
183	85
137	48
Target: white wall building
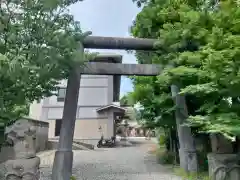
96	109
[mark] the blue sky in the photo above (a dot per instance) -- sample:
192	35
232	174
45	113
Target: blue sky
108	18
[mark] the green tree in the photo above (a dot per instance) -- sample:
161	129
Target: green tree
157	108
124	101
39	43
127	100
199	52
219	60
204	50
203	53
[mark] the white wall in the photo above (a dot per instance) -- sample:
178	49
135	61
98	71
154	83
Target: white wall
87	129
95	92
35	110
82	113
93	96
85	80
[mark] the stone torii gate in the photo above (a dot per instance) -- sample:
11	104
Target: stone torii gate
62	167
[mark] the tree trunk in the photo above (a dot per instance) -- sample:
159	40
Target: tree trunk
238	144
187	150
170	140
1	135
167	142
172	135
175	145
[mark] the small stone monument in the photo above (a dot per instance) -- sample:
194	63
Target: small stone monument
222	163
25	165
223	166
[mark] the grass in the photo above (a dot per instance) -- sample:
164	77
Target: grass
193	176
160	153
73	178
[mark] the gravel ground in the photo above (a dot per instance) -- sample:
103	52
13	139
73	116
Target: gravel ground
122	163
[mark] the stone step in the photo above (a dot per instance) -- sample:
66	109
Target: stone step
83	144
77	146
53	144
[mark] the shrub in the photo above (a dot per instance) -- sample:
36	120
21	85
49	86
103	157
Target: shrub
165	157
73	178
202	160
162	140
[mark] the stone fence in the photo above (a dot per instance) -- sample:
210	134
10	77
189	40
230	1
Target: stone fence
7	151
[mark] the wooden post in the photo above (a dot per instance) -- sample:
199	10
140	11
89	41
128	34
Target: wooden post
62	167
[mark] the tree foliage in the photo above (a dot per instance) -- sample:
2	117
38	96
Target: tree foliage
126	100
39	42
199	48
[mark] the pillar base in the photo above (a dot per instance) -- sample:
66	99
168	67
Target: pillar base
188	161
223	166
62	166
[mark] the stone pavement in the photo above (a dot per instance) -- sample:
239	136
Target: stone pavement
122	163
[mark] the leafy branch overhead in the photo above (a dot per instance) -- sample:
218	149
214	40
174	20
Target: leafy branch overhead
199	47
39	41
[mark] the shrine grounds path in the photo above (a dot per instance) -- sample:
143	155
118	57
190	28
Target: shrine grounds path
121	163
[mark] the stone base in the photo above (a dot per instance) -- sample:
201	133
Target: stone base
223	166
62	166
188	161
22	169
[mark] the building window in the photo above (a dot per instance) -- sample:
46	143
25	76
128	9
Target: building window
61	94
58	125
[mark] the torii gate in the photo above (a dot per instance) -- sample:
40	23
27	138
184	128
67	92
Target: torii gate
62	167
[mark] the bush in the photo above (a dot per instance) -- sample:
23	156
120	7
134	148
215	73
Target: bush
73	178
202	160
162	140
165	157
